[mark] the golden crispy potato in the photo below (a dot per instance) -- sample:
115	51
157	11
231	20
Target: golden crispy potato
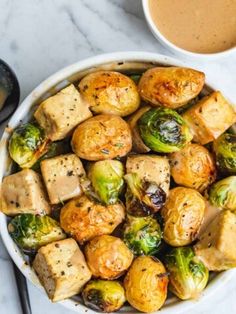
193	167
108	257
183	214
102	137
137	142
110	92
171	87
146	284
210	117
85	219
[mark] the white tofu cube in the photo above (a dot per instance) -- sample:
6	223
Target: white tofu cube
216	247
23	192
62	269
61	176
60	114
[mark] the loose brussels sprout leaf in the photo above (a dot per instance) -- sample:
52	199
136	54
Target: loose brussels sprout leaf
104	296
223	193
188	275
27	144
225	149
107	180
31	232
135	78
142	235
163	130
143	198
54	149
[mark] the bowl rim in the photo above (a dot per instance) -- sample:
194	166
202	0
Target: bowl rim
172	47
24	109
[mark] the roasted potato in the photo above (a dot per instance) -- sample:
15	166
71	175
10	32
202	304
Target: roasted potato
137	142
146	284
171	87
85	219
110	92
102	137
108	257
210	117
193	167
183	214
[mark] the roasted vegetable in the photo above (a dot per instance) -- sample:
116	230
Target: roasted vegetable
193	167
107	180
223	193
104	296
146	284
102	137
171	87
27	144
85	219
183	214
143	198
31	232
108	257
142	235
163	130
188	275
225	150
110	92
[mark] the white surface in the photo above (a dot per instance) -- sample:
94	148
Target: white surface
40	37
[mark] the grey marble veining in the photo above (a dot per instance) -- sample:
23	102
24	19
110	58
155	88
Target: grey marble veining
39	37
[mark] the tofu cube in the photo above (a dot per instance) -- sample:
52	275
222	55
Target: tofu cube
60	114
210	117
61	176
62	269
216	247
23	192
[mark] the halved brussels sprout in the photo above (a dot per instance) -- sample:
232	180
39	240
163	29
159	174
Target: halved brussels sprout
27	144
225	149
31	232
164	130
142	235
107	180
104	296
188	275
143	198
223	193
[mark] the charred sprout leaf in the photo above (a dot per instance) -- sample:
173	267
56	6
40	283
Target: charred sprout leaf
143	198
104	296
188	275
27	144
223	193
107	180
142	235
31	232
225	150
54	149
163	130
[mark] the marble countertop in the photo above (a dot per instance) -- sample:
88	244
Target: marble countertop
40	37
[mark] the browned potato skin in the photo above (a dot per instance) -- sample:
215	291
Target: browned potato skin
108	257
193	167
85	219
183	215
110	92
102	137
146	284
137	142
171	87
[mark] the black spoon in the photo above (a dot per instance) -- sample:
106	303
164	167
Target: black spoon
9	91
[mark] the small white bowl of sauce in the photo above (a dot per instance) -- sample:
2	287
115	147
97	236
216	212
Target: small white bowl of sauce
194	28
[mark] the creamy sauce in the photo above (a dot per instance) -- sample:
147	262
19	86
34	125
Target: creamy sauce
203	26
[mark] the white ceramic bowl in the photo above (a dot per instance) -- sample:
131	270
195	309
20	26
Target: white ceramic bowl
116	61
175	49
